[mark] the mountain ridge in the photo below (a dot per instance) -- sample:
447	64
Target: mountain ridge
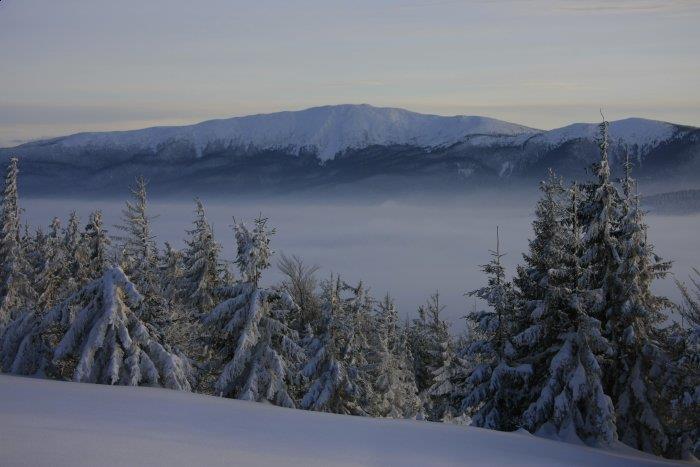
350	146
331	129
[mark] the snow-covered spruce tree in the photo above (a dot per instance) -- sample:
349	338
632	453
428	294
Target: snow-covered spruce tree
202	277
601	212
16	292
631	326
93	251
411	405
358	307
33	247
547	250
433	355
690	309
182	331
98	339
429	341
682	387
394	393
450	382
52	274
496	386
300	282
71	244
255	353
139	256
558	338
172	271
333	378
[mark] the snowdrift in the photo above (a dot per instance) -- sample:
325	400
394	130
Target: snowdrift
55	423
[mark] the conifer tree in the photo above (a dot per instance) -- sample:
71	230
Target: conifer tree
52	275
16	292
547	249
139	256
358	307
93	251
449	384
331	370
181	331
394	392
202	275
255	352
300	282
632	328
601	212
496	384
71	245
557	336
429	342
431	350
682	375
94	336
408	400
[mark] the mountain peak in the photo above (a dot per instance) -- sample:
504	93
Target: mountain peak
328	130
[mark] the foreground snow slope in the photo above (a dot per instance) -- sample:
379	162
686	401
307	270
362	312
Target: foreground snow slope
67	424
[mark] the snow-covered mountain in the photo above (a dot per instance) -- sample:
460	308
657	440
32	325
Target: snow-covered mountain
356	148
328	130
630	131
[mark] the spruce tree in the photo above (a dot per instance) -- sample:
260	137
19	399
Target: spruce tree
429	342
52	277
408	400
394	393
449	383
358	306
202	275
139	257
601	212
70	247
300	282
181	331
632	328
547	250
557	336
255	352
496	386
16	292
94	336
682	375
331	369
93	251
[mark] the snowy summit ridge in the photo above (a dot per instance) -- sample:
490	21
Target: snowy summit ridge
328	129
378	147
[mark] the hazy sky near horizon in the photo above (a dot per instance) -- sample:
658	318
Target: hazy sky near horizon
75	65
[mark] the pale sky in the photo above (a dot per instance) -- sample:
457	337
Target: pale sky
73	65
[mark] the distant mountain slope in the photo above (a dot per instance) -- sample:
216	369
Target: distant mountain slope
630	131
675	202
328	130
350	149
52	423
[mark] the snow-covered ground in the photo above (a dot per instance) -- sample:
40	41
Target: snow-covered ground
68	424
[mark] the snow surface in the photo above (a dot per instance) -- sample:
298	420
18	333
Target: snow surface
330	129
45	422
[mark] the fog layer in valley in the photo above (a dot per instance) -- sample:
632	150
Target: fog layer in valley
407	250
